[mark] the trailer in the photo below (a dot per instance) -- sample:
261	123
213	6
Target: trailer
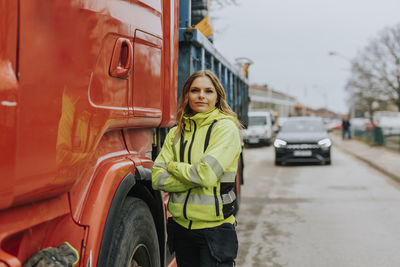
196	52
88	90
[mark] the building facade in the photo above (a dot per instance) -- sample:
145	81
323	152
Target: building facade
264	98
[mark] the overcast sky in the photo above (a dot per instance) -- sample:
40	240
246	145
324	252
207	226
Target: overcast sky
289	42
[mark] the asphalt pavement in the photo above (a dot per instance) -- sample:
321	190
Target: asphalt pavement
380	158
313	215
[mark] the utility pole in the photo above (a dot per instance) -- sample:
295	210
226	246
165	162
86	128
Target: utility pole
337	54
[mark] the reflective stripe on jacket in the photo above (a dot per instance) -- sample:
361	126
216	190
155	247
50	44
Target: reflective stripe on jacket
199	176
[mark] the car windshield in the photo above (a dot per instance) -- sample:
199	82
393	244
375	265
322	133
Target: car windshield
302	126
257	120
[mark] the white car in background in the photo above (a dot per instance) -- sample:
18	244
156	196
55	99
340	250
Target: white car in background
358	125
389	122
259	130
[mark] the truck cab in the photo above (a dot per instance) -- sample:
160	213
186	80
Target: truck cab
88	91
83	87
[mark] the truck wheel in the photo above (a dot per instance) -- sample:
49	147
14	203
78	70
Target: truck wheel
134	241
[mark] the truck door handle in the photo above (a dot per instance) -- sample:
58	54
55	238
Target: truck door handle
121	61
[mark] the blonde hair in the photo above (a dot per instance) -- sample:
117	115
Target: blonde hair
221	104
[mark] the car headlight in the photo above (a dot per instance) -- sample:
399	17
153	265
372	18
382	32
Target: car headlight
325	142
279	143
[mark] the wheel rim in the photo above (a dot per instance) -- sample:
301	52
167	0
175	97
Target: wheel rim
140	257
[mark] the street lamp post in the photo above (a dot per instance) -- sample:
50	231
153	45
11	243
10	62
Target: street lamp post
337	54
244	64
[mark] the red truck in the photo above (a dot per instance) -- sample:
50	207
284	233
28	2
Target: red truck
87	91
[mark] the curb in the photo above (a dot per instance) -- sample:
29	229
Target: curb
372	164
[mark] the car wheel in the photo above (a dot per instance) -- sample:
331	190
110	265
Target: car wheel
278	163
134	241
328	162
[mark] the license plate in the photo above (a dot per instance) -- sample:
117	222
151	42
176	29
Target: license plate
253	140
302	153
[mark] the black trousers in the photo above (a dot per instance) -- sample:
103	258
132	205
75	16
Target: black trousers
204	247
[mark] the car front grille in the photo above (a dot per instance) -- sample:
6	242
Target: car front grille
302	146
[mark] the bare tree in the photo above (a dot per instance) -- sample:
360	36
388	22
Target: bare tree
363	88
376	70
214	7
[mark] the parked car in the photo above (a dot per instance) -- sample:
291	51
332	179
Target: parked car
303	139
333	125
259	130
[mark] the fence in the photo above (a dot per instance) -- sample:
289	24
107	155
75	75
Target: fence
380	137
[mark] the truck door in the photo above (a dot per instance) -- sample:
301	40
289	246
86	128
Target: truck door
8	98
147	75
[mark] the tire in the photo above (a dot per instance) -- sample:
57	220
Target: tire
268	142
199	4
199	10
277	162
134	241
329	161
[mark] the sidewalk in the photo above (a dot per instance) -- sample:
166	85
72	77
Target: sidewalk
380	158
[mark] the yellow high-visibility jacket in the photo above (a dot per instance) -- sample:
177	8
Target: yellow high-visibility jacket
198	169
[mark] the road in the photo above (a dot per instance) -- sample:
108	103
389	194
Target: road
343	215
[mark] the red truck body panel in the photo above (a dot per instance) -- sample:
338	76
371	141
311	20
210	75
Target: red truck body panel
8	96
82	85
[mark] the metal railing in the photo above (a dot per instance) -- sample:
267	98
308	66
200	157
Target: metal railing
379	137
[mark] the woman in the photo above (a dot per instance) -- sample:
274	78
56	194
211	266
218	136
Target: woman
197	166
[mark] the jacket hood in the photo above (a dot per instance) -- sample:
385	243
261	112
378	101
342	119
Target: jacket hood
205	118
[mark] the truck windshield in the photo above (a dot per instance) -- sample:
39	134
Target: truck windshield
257	120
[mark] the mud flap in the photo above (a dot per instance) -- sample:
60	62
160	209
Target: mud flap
64	255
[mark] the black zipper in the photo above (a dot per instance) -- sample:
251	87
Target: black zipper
208	135
191	143
216	201
182	149
190	190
